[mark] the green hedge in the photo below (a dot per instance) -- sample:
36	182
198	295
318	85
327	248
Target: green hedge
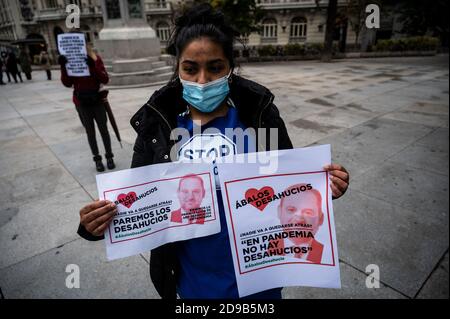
294	49
267	50
407	44
315	49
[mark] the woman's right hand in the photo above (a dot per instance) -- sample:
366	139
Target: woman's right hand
62	60
96	216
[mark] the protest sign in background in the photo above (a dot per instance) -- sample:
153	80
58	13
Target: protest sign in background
73	47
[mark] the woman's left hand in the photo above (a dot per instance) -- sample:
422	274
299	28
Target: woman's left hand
339	179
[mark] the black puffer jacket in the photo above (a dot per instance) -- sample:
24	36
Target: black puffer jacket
154	123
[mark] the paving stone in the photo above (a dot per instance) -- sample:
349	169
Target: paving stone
436	286
41	225
353	284
371	143
403	243
45	275
405	186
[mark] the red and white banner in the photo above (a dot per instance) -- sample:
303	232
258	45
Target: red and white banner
280	224
159	204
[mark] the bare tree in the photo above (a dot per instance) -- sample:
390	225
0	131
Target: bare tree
356	16
329	32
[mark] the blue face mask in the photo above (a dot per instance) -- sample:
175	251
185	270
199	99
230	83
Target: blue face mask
206	97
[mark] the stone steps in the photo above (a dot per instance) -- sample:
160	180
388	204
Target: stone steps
136	65
144	71
141	78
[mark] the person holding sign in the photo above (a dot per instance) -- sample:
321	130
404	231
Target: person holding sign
88	104
203	94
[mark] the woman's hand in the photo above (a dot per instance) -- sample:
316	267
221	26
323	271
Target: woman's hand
96	216
339	179
62	60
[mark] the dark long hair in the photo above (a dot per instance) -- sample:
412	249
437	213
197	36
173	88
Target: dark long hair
201	21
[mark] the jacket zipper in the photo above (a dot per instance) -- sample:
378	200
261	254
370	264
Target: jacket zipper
262	110
159	113
165	120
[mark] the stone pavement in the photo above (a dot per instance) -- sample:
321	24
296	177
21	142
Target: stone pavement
387	122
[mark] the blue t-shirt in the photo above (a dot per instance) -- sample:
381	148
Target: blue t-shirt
206	264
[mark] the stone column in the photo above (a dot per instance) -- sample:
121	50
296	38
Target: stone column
129	46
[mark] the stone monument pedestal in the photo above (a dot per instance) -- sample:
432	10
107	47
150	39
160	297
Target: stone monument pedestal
129	46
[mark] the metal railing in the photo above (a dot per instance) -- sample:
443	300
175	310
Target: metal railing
158	7
269	40
60	12
293	4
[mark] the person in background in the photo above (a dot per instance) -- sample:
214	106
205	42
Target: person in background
19	70
25	63
1	72
44	60
11	66
4	58
88	103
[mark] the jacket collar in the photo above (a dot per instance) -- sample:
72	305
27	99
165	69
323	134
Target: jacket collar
250	98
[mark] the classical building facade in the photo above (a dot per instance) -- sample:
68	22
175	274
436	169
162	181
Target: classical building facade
38	22
295	21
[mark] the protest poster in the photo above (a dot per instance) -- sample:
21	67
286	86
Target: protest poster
158	204
281	225
73	47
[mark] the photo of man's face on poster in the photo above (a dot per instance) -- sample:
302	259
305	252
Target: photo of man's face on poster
190	192
302	207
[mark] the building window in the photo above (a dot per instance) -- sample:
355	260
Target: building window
298	28
135	9
50	4
269	30
112	9
163	31
78	3
161	3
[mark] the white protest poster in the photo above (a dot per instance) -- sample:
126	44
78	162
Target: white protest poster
158	204
73	47
279	212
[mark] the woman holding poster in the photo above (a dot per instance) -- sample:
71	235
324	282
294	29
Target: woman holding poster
203	95
89	105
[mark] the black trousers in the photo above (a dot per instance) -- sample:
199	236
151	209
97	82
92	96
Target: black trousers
88	114
15	75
